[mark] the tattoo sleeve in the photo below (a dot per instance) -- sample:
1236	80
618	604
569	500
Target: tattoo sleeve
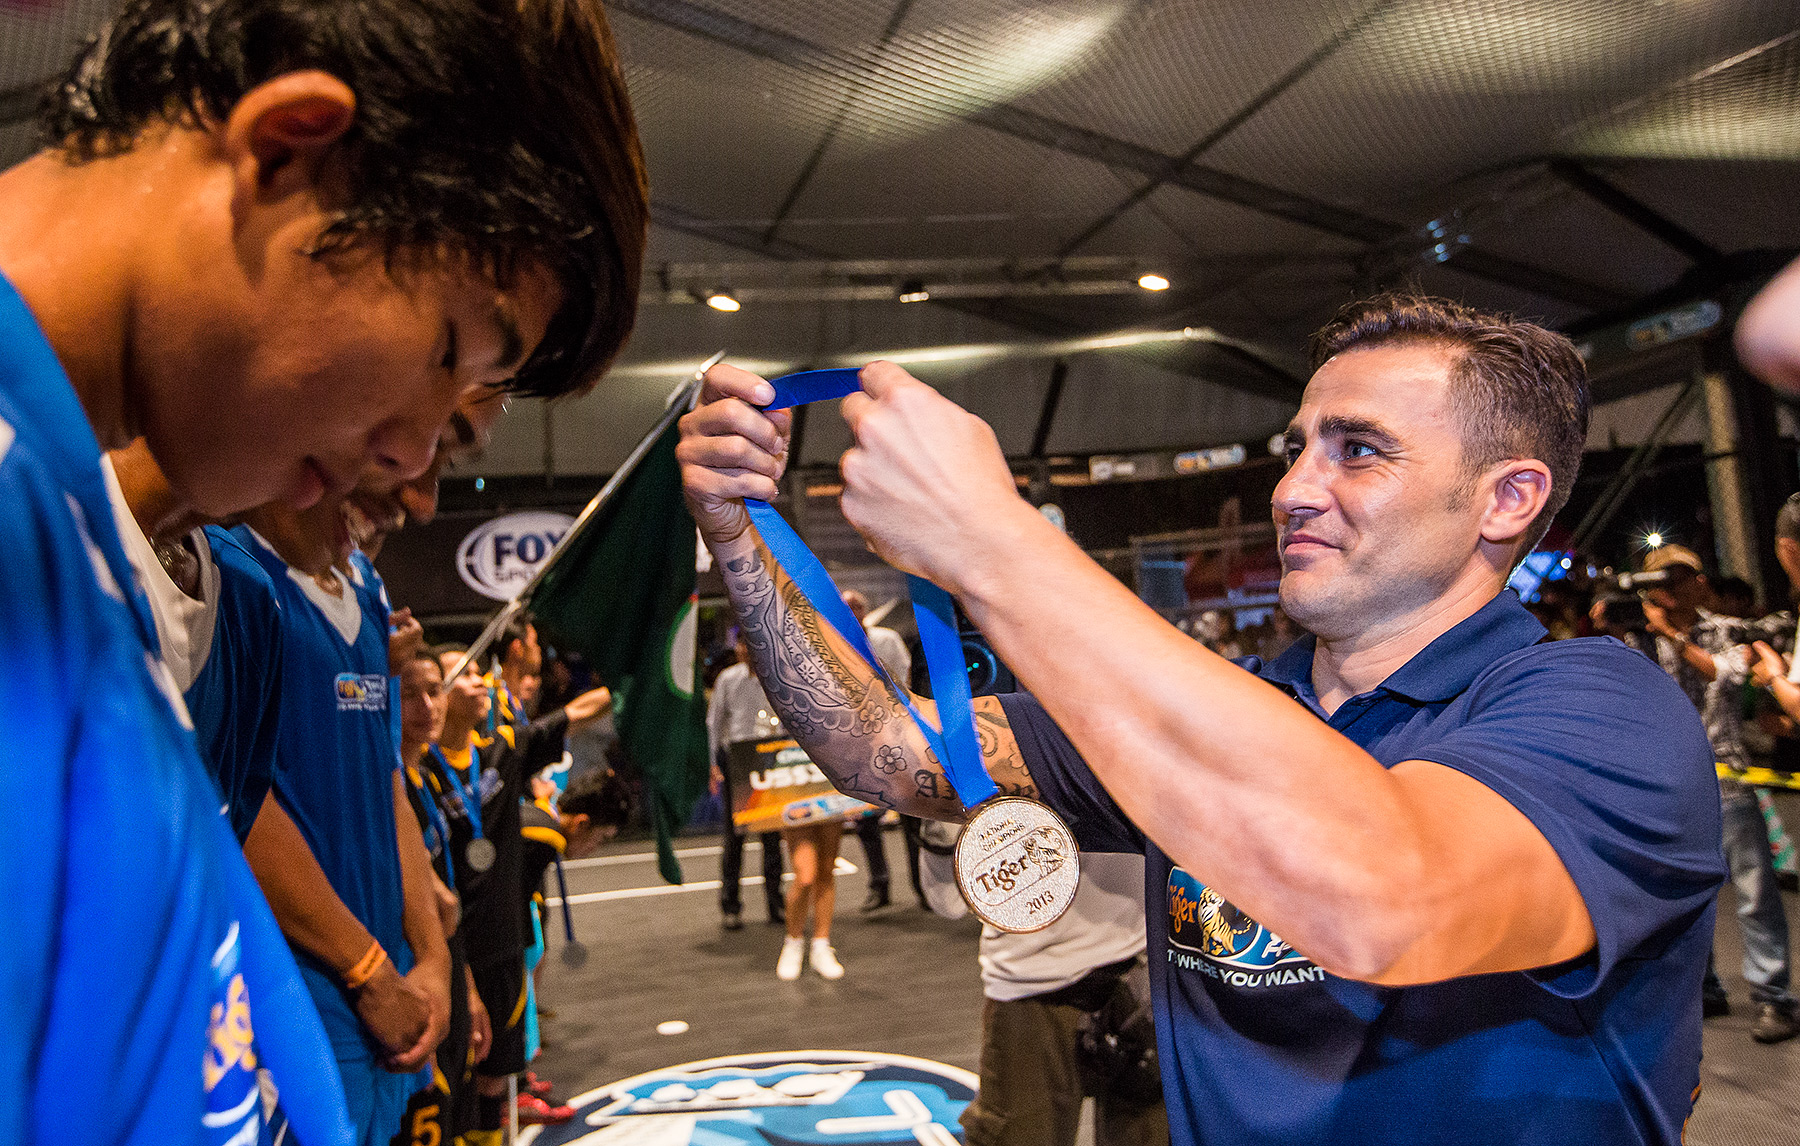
847	718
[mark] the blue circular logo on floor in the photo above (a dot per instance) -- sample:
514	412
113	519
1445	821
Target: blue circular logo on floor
785	1098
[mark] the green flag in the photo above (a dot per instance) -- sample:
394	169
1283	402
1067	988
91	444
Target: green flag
623	596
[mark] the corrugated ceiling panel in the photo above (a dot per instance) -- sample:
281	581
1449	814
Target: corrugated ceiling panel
962	189
1431	91
668	245
1167	74
845	25
1750	110
1208	228
1585	240
38	38
1116	403
724	133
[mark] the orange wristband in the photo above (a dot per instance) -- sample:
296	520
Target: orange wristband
357	977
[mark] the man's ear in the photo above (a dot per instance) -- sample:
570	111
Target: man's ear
279	136
576	824
1521	491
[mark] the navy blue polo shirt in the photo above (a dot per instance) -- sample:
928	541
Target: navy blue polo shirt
1600	749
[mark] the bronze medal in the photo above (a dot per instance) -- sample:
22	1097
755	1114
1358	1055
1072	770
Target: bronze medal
1017	864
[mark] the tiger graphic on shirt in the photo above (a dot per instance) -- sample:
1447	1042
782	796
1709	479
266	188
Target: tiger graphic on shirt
1209	936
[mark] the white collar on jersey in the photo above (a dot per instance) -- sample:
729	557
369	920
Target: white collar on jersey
343	609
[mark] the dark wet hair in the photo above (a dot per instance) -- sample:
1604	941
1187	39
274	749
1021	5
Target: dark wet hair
499	129
600	795
1518	389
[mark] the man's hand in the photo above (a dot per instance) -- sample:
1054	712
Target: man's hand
926	484
1656	619
431	983
731	449
481	1027
1769	665
405	638
1768	333
590	705
394	1010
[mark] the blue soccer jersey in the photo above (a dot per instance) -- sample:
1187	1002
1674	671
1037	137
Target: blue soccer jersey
335	766
145	980
235	697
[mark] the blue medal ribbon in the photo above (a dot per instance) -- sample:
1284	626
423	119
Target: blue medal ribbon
957	747
436	824
471	806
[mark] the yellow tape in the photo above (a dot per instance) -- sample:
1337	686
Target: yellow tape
1759	777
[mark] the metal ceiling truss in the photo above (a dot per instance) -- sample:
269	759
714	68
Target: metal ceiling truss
890	280
1000	309
858	71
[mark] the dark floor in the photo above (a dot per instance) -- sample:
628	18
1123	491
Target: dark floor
912	987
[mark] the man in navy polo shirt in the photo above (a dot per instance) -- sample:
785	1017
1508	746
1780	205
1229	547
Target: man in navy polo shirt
1421	879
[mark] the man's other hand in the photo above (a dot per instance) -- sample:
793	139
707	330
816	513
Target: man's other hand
731	449
431	982
1768	666
1768	333
395	1011
926	484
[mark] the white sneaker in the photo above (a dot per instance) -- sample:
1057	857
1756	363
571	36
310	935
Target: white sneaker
793	951
825	961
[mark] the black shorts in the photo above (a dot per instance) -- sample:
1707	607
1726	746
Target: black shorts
501	986
455	1071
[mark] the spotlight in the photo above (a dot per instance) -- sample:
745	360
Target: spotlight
1653	540
913	290
723	301
1153	282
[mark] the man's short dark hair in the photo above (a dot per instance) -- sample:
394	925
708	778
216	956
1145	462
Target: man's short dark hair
600	795
499	129
1519	390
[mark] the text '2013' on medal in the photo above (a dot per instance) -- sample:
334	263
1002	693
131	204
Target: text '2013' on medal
1017	865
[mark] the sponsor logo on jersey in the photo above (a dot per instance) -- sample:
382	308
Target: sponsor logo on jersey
498	558
362	692
1208	935
233	1100
789	1098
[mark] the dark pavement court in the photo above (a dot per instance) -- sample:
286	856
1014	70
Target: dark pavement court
912	987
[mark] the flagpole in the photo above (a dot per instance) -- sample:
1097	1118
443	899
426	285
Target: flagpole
678	404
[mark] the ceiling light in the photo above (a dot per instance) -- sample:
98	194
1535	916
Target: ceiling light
1153	282
1653	540
913	290
723	301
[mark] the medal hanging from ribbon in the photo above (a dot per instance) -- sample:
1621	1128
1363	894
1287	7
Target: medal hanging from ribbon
479	853
1016	861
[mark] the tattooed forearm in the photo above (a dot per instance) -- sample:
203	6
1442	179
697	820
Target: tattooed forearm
849	720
